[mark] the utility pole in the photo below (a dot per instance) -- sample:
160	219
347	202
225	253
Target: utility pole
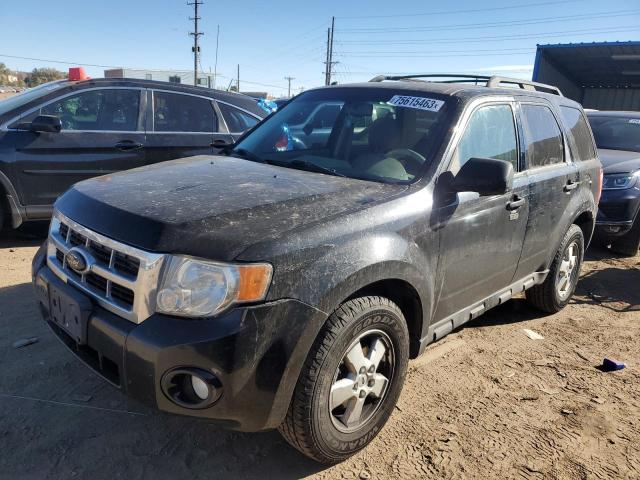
326	62
215	65
238	80
329	63
289	80
196	34
330	66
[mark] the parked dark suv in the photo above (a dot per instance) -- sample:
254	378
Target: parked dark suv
57	134
287	284
617	136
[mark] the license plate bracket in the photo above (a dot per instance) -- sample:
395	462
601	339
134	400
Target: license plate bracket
70	310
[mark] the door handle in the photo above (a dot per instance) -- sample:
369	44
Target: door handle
128	145
516	203
571	185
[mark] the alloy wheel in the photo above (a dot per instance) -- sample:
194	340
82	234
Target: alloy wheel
361	380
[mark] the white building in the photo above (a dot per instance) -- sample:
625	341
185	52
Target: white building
173	76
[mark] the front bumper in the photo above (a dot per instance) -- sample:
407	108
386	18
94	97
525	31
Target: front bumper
617	211
255	352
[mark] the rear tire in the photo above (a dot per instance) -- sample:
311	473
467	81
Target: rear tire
629	243
350	381
555	292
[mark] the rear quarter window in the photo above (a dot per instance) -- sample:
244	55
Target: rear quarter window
574	120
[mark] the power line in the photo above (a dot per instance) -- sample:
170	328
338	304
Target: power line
491	38
528	52
63	62
462	26
473	10
421	52
60	61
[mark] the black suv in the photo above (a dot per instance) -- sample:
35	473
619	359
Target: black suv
57	134
287	283
617	136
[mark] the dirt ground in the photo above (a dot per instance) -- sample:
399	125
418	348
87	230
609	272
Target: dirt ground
485	402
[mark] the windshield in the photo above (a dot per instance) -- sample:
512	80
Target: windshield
616	133
366	133
25	97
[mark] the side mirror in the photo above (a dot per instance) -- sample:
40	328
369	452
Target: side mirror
486	176
46	123
223	144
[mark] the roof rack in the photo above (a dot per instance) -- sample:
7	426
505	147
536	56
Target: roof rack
494	81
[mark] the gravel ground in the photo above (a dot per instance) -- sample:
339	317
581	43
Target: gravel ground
485	402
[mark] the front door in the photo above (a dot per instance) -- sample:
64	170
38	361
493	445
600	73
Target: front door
101	133
181	125
481	237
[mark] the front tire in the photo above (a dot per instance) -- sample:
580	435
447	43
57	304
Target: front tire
555	292
350	381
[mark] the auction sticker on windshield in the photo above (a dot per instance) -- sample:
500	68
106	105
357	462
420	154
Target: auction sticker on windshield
421	103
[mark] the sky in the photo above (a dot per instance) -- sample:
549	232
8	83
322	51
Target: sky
278	39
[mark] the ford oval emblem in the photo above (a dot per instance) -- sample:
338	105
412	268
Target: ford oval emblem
77	260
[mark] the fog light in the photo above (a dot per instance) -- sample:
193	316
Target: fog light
191	387
612	229
200	388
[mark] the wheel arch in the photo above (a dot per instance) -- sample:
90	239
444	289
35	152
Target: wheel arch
403	294
8	202
586	221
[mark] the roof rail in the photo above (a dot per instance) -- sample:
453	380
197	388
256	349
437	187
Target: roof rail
494	81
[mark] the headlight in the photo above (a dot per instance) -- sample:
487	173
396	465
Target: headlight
199	288
620	181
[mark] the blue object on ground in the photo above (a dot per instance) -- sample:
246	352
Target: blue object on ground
611	365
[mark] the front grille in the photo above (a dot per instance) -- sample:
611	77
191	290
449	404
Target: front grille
121	278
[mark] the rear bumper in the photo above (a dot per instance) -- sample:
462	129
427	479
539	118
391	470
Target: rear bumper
252	352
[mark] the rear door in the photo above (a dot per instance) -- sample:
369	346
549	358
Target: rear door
481	237
181	125
102	132
553	179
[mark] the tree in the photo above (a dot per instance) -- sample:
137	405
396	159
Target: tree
43	75
4	74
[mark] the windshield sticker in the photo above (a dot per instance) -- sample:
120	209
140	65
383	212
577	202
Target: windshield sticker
634	120
421	103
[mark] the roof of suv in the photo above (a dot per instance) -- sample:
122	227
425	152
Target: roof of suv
463	88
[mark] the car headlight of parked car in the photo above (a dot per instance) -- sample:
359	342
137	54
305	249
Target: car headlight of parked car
199	288
620	181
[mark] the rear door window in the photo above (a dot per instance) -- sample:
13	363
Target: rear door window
176	112
543	137
490	133
237	120
575	121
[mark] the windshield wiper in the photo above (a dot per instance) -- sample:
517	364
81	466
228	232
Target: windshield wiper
247	155
306	165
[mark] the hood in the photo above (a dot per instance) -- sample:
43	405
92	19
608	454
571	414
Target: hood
618	161
213	206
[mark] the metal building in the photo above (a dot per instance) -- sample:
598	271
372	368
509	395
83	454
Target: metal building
600	75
